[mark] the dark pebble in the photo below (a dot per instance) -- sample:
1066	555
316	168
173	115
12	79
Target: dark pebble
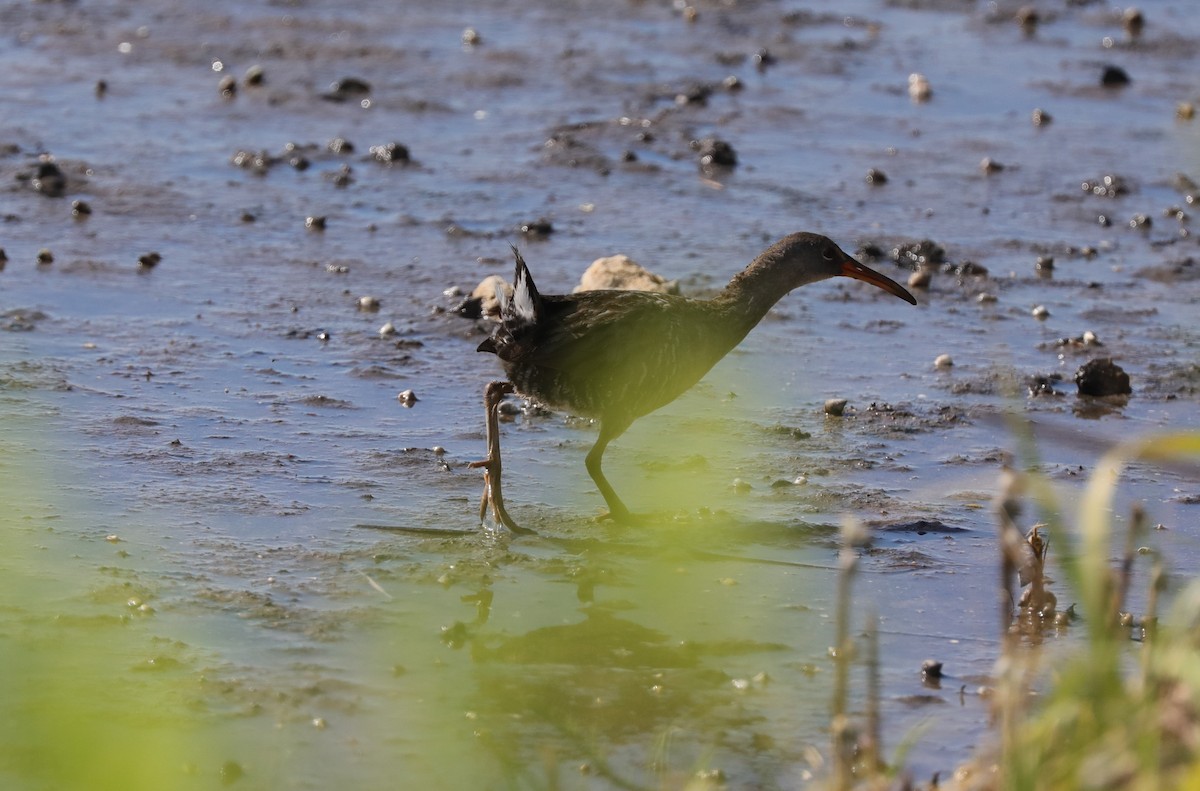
254	76
44	256
227	87
538	228
80	208
1102	377
1114	77
715	153
390	152
340	145
149	260
877	177
49	180
347	88
314	223
915	254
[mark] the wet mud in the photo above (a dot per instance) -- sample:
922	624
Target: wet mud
235	238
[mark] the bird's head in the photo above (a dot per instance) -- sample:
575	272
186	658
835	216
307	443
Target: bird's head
810	257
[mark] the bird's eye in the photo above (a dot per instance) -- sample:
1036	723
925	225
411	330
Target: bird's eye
827	253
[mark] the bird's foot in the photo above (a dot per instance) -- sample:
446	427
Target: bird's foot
621	517
492	499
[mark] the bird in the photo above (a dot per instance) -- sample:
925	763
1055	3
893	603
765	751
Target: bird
615	356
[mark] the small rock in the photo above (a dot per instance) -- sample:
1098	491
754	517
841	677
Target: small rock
931	668
80	208
471	37
1102	377
539	228
387	330
920	278
1040	117
919	89
876	177
990	166
1114	77
1133	21
49	180
984	298
227	87
369	303
483	301
390	152
1040	312
835	407
407	398
1028	18
1044	263
943	361
715	153
149	260
623	273
44	256
314	223
254	76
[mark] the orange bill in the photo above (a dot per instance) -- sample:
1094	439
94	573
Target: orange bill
852	268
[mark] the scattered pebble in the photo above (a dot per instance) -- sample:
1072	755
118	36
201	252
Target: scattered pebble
1102	377
407	398
740	486
539	228
44	257
943	361
931	668
390	152
919	89
1040	312
835	407
483	302
715	153
1044	263
49	180
1133	21
1140	222
254	76
1028	18
387	330
1114	77
876	177
149	260
80	208
1185	111
990	166
985	298
920	278
227	87
313	223
471	37
369	303
1040	117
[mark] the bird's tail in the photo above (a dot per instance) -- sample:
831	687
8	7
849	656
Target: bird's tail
526	305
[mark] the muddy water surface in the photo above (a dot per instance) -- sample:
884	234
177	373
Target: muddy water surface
232	556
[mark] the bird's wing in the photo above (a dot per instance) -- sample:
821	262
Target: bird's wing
602	330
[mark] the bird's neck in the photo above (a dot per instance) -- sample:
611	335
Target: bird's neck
751	293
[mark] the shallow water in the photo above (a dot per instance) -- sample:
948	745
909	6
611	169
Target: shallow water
232	556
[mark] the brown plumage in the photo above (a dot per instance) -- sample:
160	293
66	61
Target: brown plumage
617	355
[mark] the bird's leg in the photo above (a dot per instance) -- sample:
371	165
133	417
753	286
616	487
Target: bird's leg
492	495
616	509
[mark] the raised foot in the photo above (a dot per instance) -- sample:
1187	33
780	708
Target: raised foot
493	500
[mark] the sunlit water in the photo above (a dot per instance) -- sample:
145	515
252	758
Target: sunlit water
231	556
